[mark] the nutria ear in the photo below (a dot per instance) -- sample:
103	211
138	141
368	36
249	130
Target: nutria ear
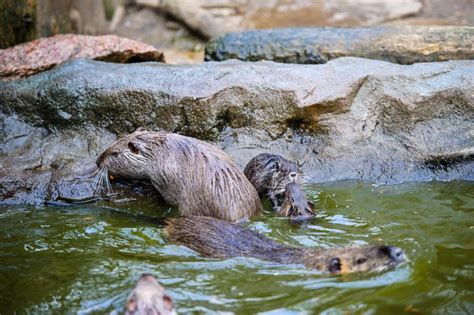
277	166
335	265
131	306
133	147
300	164
168	303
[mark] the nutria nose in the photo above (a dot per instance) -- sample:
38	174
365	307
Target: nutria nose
396	253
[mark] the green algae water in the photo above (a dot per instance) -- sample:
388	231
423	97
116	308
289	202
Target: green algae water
86	259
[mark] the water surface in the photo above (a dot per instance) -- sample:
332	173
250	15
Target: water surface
87	258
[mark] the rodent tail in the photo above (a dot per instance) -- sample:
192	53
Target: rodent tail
217	238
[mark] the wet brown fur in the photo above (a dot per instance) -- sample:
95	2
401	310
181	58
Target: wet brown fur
270	173
215	238
295	203
148	298
198	177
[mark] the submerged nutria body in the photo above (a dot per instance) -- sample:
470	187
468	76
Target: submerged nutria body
215	238
295	205
148	298
198	177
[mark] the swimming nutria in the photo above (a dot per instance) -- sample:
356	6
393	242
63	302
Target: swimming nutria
270	173
295	205
215	238
198	177
148	298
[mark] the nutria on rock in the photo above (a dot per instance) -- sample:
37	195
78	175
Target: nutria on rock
148	298
198	177
218	239
295	205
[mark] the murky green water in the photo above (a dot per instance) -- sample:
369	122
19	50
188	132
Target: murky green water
86	259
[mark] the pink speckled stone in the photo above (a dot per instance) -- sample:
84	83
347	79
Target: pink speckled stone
44	53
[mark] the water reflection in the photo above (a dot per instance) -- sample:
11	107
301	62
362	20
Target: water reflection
87	258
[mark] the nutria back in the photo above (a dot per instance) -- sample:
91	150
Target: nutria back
215	238
198	177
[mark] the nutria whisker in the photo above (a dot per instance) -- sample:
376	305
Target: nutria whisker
96	180
101	180
95	183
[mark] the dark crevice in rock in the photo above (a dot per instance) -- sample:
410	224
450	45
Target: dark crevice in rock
445	162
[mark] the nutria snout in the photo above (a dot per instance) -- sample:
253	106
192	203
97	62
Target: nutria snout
148	298
396	253
295	205
196	176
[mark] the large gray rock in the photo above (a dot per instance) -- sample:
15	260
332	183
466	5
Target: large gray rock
348	119
402	44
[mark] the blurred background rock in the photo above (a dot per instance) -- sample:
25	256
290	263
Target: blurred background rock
180	28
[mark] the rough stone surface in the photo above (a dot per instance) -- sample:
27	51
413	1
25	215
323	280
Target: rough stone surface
211	18
44	53
402	44
270	14
348	119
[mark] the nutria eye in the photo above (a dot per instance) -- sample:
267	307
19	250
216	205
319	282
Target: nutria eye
133	148
277	166
361	261
335	265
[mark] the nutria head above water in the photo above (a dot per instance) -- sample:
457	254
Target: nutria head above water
271	173
354	259
148	298
197	176
127	157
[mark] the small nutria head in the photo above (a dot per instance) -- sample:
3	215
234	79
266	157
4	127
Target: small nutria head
128	157
295	205
285	172
148	298
356	259
270	173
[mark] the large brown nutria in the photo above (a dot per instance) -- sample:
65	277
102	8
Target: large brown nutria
215	238
295	205
148	298
198	177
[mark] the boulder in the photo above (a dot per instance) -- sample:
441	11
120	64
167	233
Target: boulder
44	53
350	118
398	44
211	18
